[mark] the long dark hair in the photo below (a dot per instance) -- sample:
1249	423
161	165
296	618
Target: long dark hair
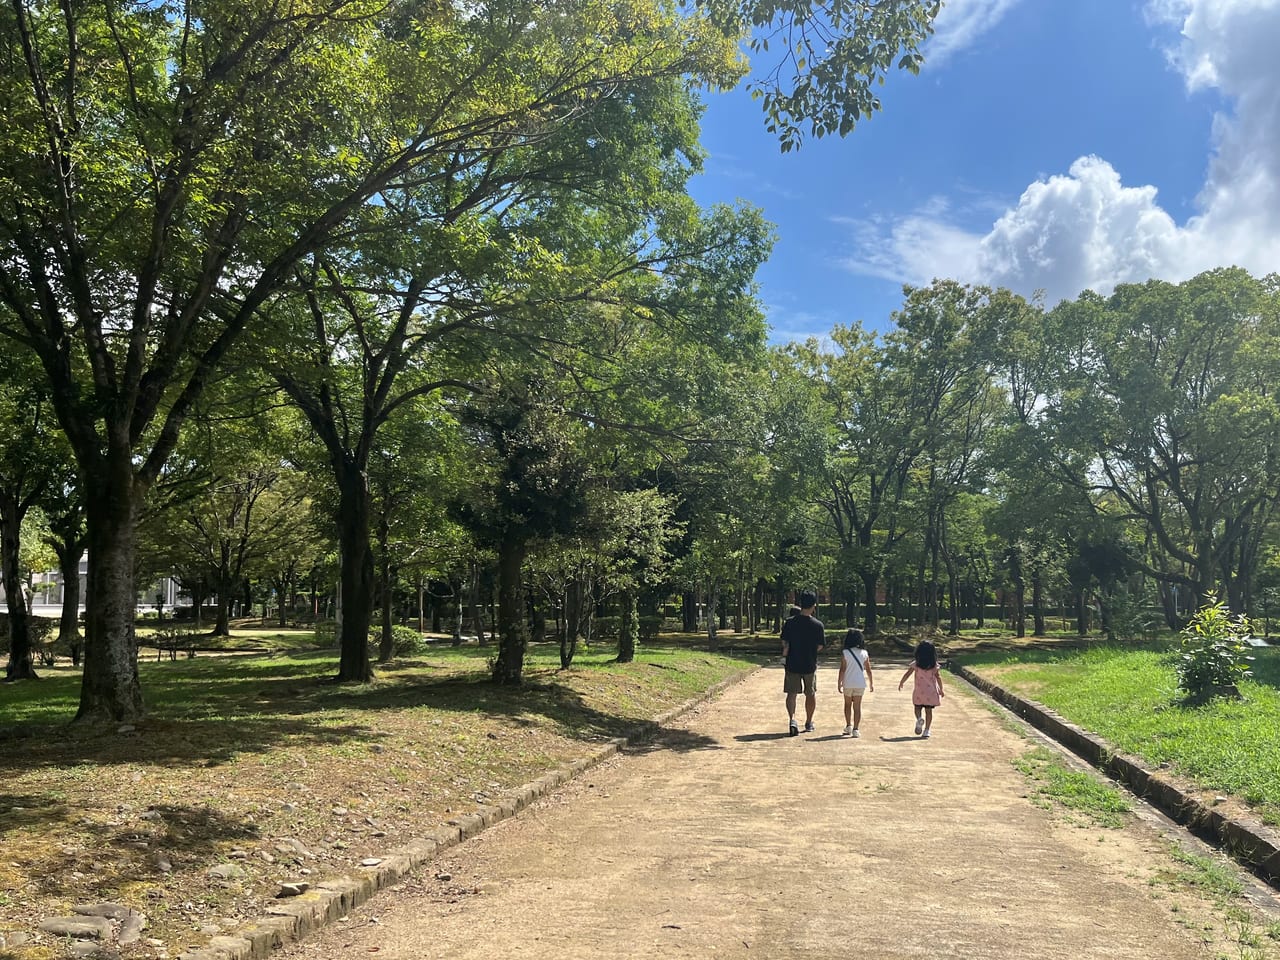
853	639
926	655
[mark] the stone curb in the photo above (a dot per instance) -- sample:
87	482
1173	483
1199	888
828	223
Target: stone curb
1248	841
335	897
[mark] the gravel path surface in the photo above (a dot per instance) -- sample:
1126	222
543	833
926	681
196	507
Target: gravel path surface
726	838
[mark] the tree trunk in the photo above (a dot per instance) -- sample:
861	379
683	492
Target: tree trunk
713	600
457	613
474	605
1082	612
629	628
1037	604
110	690
870	621
222	624
1020	608
537	619
69	622
689	611
357	576
21	654
508	669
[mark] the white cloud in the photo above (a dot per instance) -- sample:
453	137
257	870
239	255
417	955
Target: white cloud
962	22
1086	229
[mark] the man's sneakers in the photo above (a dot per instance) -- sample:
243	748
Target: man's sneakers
919	725
793	730
808	727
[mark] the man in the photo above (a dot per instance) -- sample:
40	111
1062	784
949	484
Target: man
803	637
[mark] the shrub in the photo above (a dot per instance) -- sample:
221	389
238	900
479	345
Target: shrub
650	627
1214	652
406	641
607	628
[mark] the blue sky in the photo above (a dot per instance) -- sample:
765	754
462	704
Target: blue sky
1047	145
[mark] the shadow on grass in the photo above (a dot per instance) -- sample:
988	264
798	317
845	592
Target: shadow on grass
187	837
212	712
29	809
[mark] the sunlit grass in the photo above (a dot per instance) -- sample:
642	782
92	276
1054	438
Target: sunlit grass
1130	698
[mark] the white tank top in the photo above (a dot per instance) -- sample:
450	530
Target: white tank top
854	675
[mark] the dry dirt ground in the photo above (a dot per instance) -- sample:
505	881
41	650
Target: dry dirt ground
727	838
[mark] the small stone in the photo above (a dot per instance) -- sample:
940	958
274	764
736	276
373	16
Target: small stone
340	811
114	911
300	848
210	929
126	728
293	889
17	938
1218	800
238	855
91	948
444	877
378	833
287	807
377	748
370	861
150	815
131	929
81	928
304	871
266	857
153	942
225	871
124	808
164	865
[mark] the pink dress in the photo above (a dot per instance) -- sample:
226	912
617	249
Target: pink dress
925	693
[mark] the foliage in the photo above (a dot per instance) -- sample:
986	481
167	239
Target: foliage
1213	651
407	641
1130	697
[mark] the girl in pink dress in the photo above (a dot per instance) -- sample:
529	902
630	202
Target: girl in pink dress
927	693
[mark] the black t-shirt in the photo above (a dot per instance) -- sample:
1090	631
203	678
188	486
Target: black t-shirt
803	635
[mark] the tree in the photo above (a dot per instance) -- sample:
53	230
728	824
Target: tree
32	458
150	207
1166	394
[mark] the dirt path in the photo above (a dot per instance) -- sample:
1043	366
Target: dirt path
727	838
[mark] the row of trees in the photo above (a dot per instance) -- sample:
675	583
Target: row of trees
382	211
1117	452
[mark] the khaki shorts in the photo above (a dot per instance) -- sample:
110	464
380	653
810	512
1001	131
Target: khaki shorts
851	692
806	683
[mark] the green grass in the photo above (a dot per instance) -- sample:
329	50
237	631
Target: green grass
1130	697
238	751
1215	880
1073	789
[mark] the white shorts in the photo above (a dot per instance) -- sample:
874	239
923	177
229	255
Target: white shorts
849	693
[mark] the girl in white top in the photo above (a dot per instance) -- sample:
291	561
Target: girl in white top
854	680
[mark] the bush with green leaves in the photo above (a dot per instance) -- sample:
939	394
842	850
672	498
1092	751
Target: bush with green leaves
406	641
1214	651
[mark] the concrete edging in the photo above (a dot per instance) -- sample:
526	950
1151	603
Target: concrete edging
335	897
1250	842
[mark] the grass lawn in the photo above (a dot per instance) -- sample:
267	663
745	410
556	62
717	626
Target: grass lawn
1130	697
239	755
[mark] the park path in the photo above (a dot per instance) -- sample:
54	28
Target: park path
726	838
